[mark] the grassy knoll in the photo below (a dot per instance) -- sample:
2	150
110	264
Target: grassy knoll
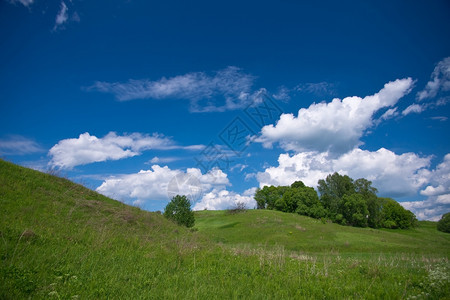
269	228
60	240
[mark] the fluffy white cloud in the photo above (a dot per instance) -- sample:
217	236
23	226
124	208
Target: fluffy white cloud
223	199
18	145
160	183
394	175
413	108
439	179
440	80
88	148
430	209
336	126
230	83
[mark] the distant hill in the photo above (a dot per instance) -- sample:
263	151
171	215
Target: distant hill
61	240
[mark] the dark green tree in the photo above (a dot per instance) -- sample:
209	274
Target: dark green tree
354	210
179	210
364	188
298	185
301	199
268	196
395	216
332	189
444	223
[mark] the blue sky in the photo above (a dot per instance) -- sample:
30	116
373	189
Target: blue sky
141	99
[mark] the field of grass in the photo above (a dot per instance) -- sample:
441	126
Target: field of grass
60	240
270	228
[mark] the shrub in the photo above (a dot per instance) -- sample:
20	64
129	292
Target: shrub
237	208
444	223
179	210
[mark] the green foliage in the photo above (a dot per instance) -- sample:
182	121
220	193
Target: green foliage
395	216
179	211
444	223
267	197
296	198
369	193
332	189
355	210
343	200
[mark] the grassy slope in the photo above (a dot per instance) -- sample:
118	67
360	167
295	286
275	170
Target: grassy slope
61	240
268	228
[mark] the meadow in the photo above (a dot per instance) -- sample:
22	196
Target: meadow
61	240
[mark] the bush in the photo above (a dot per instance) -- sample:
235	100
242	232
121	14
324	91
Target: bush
444	223
395	216
237	208
179	210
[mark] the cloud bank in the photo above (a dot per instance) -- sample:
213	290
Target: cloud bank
87	148
223	199
161	183
336	126
394	175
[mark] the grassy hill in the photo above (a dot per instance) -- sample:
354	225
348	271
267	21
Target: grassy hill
60	240
270	228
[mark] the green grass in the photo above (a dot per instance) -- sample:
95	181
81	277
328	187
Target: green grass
60	240
269	228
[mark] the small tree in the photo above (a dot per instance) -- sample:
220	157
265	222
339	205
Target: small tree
179	210
444	223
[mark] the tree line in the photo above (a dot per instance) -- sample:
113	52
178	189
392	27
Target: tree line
342	200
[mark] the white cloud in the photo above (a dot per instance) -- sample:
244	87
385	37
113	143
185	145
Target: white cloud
282	94
390	113
440	80
223	199
25	3
430	209
160	183
394	175
200	88
308	167
61	17
163	160
336	126
18	145
413	108
88	148
241	167
439	179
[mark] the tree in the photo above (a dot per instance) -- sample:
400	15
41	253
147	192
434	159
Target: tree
179	210
369	193
395	216
354	210
268	196
444	223
332	189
